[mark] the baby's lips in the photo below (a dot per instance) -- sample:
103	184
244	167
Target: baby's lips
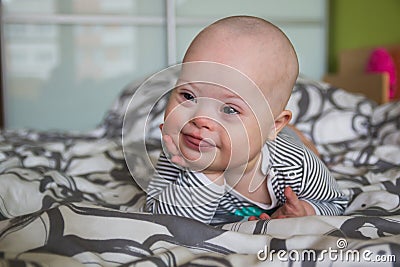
161	126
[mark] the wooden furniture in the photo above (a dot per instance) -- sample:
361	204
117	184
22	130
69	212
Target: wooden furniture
1	94
352	76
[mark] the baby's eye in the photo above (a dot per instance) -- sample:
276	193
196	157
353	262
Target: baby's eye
189	96
229	110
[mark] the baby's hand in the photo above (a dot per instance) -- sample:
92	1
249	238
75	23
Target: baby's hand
173	151
293	207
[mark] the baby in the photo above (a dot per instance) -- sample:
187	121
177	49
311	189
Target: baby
228	154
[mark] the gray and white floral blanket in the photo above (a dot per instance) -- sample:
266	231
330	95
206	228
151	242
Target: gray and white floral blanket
68	199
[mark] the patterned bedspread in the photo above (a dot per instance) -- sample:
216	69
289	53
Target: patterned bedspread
68	199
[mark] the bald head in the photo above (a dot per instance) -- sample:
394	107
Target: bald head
255	47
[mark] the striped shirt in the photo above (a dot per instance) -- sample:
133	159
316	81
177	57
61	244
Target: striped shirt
186	193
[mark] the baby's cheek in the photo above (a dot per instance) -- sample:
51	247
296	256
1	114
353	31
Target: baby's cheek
174	122
238	140
246	143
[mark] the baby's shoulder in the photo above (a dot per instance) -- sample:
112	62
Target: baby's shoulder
286	154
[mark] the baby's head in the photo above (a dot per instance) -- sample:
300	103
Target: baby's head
255	47
227	117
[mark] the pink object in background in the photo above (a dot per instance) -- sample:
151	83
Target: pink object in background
381	61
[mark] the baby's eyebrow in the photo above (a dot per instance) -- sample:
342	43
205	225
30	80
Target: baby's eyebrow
226	94
181	82
229	94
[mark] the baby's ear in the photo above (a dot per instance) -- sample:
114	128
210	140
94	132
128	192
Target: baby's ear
280	122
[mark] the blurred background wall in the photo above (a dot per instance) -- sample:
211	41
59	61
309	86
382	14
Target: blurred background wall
65	61
361	23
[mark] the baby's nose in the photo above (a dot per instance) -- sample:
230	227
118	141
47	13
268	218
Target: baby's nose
205	114
204	122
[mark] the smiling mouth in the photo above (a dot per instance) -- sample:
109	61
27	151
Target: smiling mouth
197	143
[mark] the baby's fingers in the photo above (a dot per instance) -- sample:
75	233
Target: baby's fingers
170	146
252	218
291	197
173	151
264	216
178	160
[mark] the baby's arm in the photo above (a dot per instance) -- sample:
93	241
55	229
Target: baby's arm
320	193
320	188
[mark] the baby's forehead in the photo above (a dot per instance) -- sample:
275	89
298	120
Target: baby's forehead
221	77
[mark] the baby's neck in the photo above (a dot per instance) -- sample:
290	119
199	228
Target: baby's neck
254	188
253	183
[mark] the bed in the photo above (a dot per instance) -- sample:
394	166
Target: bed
68	199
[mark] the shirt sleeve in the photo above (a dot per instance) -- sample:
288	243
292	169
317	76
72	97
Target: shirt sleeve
296	166
182	192
320	188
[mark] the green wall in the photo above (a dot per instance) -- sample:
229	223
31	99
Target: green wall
362	23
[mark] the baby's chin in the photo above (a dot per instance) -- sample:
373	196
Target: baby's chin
200	161
210	165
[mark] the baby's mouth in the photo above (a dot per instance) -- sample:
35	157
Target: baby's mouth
198	143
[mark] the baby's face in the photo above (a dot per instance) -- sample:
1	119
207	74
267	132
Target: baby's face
216	128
